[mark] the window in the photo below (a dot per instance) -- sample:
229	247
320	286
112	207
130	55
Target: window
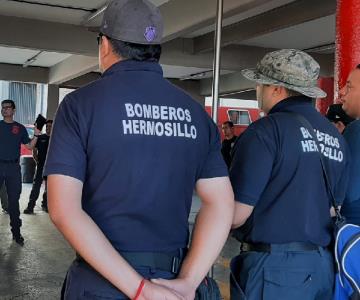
239	117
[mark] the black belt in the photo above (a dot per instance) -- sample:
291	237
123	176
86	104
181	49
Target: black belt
263	247
10	161
166	261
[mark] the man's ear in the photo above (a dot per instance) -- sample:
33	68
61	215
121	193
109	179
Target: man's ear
105	47
278	90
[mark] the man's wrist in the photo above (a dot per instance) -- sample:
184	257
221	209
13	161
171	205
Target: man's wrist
189	281
139	289
36	135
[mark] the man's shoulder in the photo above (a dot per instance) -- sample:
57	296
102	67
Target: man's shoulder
352	131
19	125
263	124
354	126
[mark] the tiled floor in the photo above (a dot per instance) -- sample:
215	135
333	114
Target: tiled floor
36	271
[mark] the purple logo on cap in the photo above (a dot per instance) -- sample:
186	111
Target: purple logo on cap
150	33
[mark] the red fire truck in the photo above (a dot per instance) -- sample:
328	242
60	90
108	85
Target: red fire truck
241	112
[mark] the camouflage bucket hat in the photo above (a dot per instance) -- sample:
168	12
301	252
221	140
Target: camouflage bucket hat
291	68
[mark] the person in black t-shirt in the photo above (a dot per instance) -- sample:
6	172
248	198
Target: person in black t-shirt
228	142
39	154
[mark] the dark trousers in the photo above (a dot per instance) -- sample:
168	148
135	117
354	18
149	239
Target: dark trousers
10	174
35	191
3	197
83	282
282	275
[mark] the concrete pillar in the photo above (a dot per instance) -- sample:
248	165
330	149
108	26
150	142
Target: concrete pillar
326	84
53	100
347	54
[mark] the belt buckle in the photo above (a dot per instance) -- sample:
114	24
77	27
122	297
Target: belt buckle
244	247
175	265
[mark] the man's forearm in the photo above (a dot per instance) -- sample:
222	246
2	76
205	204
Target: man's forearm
210	233
87	239
32	143
35	155
64	201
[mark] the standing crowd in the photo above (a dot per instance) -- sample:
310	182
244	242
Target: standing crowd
124	208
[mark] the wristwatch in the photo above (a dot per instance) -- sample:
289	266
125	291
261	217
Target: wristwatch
36	135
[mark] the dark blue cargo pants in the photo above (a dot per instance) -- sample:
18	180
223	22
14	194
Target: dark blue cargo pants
282	275
3	197
83	282
10	174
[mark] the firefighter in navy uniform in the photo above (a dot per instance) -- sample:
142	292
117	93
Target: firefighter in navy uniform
282	208
125	155
39	154
12	135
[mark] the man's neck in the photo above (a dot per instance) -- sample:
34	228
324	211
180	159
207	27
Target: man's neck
229	137
112	61
9	120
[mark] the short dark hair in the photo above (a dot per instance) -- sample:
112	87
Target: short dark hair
358	66
8	101
134	51
49	122
231	124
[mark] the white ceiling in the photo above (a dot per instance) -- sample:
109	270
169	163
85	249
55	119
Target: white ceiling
271	4
19	56
322	33
51	14
57	14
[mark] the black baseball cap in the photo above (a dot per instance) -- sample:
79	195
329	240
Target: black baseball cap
134	21
335	114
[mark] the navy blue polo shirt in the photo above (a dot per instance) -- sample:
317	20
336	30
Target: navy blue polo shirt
351	206
276	168
12	135
139	144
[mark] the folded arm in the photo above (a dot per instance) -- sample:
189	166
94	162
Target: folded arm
210	233
64	196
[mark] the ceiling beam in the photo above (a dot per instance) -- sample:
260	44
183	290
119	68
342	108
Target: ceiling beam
185	16
47	36
175	53
291	14
72	67
233	58
180	17
12	72
81	80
